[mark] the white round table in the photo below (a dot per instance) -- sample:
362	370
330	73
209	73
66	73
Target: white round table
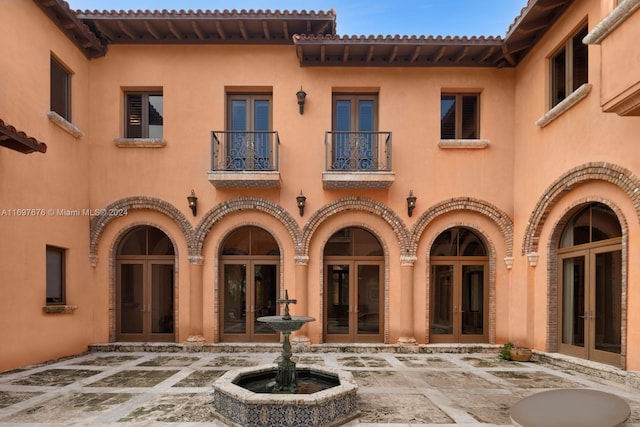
570	407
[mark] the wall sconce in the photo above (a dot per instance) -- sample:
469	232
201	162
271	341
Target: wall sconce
301	199
411	203
301	96
193	203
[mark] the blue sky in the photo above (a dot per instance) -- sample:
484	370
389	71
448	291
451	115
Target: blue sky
362	17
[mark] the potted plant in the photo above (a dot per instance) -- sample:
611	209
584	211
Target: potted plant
510	351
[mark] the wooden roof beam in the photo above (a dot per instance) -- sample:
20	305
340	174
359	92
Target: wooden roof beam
152	30
128	31
372	48
103	30
265	30
220	30
550	5
439	54
243	30
416	53
175	31
507	56
487	54
323	53
345	54
198	30
459	57
394	54
285	30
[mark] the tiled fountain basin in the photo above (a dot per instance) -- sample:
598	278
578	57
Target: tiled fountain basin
238	406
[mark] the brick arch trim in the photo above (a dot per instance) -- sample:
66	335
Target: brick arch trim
239	204
362	204
597	171
100	222
499	218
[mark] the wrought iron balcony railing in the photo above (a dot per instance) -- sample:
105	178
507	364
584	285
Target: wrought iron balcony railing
357	151
244	150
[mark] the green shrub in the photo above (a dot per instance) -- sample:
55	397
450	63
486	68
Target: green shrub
504	353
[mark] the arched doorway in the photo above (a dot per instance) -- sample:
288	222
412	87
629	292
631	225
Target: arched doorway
145	292
458	288
590	292
250	285
353	289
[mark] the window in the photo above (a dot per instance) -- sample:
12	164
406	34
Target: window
354	127
60	90
144	112
569	67
250	137
55	275
459	116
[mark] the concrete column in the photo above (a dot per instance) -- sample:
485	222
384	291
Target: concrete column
406	300
195	299
301	337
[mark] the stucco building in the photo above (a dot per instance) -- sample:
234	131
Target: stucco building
165	176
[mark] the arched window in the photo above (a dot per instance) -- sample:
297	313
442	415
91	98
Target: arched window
458	287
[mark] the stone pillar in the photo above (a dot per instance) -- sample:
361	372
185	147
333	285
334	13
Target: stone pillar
406	300
195	300
301	337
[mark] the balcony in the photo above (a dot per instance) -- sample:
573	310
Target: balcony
244	159
357	160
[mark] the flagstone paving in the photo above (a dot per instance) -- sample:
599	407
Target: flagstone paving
175	389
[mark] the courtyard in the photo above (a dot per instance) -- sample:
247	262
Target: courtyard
107	386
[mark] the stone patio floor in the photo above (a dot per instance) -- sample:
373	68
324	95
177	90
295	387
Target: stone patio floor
174	389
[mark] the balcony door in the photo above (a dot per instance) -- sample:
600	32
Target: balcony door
249	123
145	287
250	285
354	287
354	144
590	292
458	288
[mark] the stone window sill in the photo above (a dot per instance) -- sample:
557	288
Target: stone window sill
63	124
463	143
565	105
59	309
605	27
140	142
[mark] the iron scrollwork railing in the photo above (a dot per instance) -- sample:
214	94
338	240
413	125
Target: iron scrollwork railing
244	150
358	151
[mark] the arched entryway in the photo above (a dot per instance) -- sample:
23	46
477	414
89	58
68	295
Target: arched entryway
353	288
249	285
459	292
590	290
145	294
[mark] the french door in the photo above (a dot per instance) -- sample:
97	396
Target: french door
459	301
590	303
145	300
353	301
249	290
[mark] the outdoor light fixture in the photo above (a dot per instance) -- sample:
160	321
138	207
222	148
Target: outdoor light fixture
301	199
193	203
301	96
411	203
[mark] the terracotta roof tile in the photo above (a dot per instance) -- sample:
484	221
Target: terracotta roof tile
14	139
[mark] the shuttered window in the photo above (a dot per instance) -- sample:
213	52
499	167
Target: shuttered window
459	116
60	90
144	115
569	67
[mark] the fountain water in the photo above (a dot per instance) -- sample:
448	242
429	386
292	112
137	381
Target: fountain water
286	395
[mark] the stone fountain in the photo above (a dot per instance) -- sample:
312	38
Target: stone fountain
285	394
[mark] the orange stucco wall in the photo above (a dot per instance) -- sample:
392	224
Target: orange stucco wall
509	176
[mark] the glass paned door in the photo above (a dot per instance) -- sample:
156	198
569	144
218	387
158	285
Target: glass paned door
353	309
145	299
458	302
354	144
591	304
250	290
